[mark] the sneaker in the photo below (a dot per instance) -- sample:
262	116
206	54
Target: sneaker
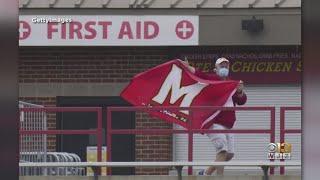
202	173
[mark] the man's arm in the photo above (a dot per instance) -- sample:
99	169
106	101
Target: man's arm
240	98
186	63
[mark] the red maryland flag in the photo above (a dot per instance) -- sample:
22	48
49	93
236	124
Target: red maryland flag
172	84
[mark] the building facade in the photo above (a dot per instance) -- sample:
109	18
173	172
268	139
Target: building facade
88	59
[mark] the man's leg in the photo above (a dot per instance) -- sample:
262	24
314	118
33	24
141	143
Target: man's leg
229	153
229	156
225	146
220	143
230	142
221	156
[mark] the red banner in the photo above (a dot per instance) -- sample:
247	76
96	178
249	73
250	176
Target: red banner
172	84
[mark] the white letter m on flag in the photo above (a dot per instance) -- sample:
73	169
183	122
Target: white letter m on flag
173	83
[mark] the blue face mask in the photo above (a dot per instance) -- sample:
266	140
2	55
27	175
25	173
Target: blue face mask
223	72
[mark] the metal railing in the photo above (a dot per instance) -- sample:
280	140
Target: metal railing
50	157
98	131
190	131
265	165
60	156
33	148
283	129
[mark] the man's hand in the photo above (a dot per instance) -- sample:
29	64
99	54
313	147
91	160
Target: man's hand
186	63
240	88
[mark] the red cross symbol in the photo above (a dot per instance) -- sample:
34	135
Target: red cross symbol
184	29
24	30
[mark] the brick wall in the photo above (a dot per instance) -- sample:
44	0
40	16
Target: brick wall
152	147
86	64
98	65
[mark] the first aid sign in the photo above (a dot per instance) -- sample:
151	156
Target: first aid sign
108	30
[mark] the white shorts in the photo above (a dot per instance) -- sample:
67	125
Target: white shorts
222	142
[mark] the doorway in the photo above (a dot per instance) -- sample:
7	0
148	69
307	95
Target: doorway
123	146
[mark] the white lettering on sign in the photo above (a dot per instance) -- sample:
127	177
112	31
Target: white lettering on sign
173	84
108	30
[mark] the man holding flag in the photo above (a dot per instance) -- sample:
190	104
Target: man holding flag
224	143
177	84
